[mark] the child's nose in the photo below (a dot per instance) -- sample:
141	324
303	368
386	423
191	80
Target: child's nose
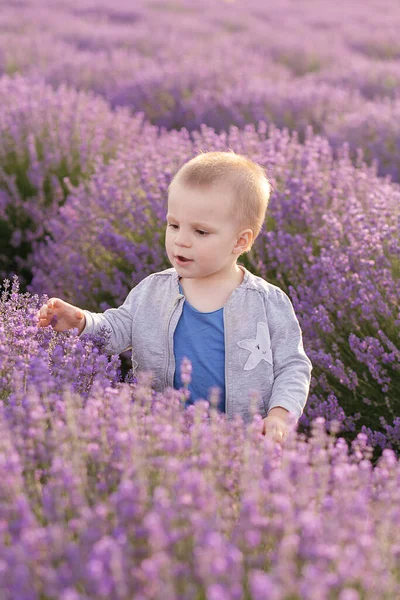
182	239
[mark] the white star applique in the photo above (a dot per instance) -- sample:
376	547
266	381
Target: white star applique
260	348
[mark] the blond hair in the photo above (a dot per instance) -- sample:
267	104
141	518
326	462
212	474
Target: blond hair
248	180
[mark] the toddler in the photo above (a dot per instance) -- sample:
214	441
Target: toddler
239	331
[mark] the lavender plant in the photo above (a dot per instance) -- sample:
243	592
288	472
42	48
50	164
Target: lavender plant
281	102
375	129
122	242
49	141
46	359
374	79
377	44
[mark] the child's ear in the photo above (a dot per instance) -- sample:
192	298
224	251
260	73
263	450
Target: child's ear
244	241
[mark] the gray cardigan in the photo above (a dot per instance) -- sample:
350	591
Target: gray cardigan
263	341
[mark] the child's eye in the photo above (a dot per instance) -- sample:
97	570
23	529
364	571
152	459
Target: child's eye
202	233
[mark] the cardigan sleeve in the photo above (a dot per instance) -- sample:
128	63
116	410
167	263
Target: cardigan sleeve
292	367
116	322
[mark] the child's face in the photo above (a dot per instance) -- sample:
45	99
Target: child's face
201	227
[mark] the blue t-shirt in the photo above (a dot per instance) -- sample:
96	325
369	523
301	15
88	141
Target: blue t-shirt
200	337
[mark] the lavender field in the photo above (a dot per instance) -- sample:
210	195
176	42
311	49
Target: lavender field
108	489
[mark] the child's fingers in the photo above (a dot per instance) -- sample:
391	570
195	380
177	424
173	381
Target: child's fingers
48	311
53	303
43	317
42	314
277	435
56	309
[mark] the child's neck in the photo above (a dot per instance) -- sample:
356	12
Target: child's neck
206	297
210	284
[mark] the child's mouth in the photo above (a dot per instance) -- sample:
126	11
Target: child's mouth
182	259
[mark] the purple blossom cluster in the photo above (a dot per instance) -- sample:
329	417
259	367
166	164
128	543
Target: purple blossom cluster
43	358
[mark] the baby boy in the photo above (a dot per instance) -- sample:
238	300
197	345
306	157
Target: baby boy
239	331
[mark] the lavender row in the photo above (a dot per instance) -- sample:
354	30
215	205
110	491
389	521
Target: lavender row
51	141
223	64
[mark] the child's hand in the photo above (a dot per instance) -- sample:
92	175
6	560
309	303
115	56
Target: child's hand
67	315
275	428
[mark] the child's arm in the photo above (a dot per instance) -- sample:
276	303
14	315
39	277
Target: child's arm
292	367
117	321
